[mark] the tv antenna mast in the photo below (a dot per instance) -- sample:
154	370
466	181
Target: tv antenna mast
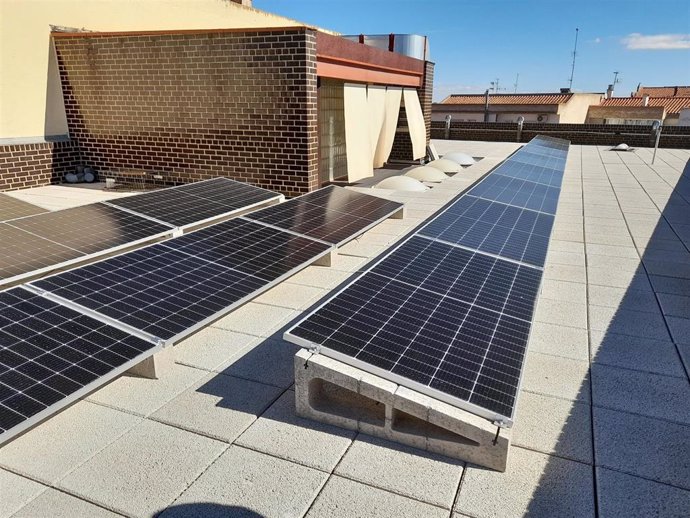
517	78
494	86
615	79
572	68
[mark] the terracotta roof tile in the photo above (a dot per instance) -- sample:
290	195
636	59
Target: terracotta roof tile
663	91
672	104
508	99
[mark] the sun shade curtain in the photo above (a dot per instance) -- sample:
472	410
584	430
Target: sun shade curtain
390	124
376	104
357	132
415	123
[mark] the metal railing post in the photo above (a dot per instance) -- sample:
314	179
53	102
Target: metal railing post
520	122
656	127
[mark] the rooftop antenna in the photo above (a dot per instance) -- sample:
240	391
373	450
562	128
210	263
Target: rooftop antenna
615	79
517	78
572	68
494	86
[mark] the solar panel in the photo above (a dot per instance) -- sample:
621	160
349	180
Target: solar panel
528	156
448	312
171	289
495	228
517	192
332	214
24	253
12	208
197	203
50	355
427	340
92	228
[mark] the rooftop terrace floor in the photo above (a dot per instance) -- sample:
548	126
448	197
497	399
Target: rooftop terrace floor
603	419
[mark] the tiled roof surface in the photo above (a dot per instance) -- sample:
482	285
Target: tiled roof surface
508	99
663	91
672	104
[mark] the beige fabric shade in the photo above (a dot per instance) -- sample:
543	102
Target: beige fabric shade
415	123
357	132
390	124
376	104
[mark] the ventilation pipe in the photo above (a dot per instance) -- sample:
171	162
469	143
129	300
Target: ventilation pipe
520	122
486	105
609	92
645	100
656	128
449	117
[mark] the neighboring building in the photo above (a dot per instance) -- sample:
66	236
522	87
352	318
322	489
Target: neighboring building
638	110
189	90
536	107
662	91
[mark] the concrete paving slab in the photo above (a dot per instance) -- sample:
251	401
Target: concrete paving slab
404	470
566	258
554	426
143	396
644	393
623	298
643	446
680	329
144	470
620	494
568	342
632	352
319	277
246	483
65	441
57	504
16	492
256	319
612	263
556	245
212	347
629	252
619	278
269	361
561	312
554	376
291	296
336	501
347	263
627	322
562	272
359	249
663	284
218	406
534	484
564	291
281	433
675	305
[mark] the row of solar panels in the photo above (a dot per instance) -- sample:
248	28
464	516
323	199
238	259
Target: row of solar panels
43	242
66	334
448	312
13	208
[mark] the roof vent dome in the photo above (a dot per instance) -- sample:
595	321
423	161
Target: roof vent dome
621	147
460	158
445	165
401	183
425	173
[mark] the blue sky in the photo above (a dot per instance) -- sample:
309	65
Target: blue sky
475	42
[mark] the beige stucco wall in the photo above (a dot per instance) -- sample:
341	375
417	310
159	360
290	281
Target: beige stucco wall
575	110
30	94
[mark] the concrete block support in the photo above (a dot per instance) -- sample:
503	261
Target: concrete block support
154	366
332	392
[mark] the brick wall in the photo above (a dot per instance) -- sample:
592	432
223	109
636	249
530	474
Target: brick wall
37	164
402	146
192	106
590	134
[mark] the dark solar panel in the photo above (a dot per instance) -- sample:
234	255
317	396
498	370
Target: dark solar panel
169	288
23	253
495	228
520	193
49	352
424	340
526	156
92	228
331	214
195	203
12	208
533	173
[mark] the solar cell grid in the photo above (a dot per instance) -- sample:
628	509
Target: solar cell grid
12	208
170	288
517	192
91	228
494	228
331	214
533	173
49	352
195	203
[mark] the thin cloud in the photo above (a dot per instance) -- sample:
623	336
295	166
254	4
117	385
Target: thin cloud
597	40
637	41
